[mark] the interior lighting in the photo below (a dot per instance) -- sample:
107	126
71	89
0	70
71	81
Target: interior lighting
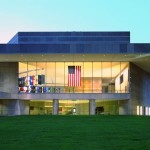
137	110
149	111
141	110
146	111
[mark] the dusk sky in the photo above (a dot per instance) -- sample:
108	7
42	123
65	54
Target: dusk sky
75	15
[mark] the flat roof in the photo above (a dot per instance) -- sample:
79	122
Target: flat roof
75	33
69	37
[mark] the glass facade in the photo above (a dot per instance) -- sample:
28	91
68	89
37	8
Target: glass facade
107	107
40	107
73	77
73	107
66	107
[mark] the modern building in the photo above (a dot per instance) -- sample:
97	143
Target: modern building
68	73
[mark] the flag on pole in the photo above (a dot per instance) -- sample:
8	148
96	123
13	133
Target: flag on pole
74	75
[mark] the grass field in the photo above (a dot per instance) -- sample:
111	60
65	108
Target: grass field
75	133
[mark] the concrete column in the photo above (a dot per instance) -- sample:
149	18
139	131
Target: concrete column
14	107
92	106
24	107
55	106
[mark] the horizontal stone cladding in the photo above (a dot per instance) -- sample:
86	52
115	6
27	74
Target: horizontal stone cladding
139	87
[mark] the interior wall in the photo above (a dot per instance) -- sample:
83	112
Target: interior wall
123	87
110	107
38	108
82	108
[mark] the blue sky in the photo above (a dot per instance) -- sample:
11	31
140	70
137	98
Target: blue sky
76	15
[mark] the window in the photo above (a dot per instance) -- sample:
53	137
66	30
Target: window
121	79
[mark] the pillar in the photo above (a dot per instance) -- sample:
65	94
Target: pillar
92	106
55	106
14	107
123	107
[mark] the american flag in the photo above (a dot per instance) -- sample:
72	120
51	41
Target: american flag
74	75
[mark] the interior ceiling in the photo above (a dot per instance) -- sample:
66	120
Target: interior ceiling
141	60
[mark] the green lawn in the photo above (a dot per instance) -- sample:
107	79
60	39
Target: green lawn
99	132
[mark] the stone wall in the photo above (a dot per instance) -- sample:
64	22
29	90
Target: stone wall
139	88
9	77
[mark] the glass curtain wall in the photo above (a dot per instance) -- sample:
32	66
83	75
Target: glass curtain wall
40	107
97	77
73	77
107	107
73	107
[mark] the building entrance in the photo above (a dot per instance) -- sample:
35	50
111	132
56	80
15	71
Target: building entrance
74	107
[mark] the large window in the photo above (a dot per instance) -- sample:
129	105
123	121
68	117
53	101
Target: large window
73	77
73	107
40	107
88	77
97	77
